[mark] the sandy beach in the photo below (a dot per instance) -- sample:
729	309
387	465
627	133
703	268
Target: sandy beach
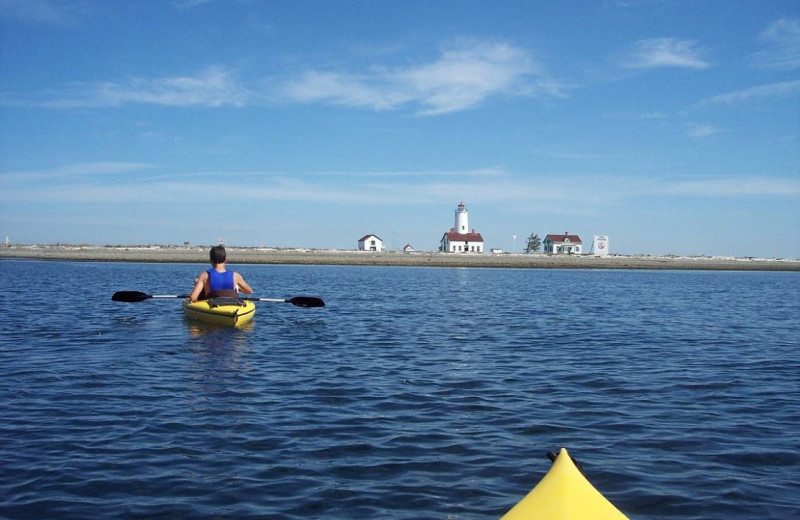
251	255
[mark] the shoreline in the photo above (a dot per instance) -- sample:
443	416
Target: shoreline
299	256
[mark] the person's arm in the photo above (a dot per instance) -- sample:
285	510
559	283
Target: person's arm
199	285
241	284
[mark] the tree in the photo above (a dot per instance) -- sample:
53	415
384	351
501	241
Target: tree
534	243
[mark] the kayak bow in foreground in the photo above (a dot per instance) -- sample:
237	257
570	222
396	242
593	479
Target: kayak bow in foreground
564	493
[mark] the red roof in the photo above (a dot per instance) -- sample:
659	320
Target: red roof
573	239
452	236
366	237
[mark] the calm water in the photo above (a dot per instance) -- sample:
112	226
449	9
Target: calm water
416	393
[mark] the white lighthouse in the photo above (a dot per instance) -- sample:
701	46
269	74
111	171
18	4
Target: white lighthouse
460	239
462	219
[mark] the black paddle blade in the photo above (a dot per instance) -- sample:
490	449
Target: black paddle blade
306	301
129	296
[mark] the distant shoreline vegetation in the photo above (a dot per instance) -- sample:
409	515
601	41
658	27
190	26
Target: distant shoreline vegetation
285	255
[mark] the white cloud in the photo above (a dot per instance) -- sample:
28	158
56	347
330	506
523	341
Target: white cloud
73	172
782	39
190	4
488	185
50	12
492	171
462	77
211	87
666	52
346	90
734	186
214	86
701	131
780	89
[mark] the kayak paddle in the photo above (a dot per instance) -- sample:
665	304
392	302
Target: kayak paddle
137	296
298	301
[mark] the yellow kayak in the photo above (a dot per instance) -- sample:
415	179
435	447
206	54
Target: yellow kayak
564	493
229	312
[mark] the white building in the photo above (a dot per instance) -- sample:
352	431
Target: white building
370	243
460	239
562	244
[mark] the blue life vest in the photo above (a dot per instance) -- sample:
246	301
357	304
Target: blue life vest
220	281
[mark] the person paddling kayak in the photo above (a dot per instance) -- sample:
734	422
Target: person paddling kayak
217	281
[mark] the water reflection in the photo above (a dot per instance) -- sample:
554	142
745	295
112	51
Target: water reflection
198	329
221	354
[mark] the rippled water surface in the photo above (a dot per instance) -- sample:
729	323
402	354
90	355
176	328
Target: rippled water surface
416	393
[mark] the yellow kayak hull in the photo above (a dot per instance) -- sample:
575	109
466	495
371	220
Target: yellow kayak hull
564	493
228	314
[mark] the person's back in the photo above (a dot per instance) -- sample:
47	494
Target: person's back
218	281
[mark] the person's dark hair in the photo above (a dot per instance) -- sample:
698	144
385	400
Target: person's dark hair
218	255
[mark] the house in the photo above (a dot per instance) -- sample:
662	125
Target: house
460	239
562	244
408	248
370	243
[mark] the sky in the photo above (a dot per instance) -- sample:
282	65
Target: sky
672	127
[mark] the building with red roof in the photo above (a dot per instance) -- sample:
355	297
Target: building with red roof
562	244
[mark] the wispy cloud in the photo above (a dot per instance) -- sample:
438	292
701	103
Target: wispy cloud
74	172
780	89
702	131
346	90
190	4
463	76
734	186
666	52
49	12
78	184
493	171
782	52
213	86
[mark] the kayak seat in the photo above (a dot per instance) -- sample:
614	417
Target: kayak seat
223	293
225	300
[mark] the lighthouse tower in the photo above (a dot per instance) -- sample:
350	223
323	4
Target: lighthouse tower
462	219
460	238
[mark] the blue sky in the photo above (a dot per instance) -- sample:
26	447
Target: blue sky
673	127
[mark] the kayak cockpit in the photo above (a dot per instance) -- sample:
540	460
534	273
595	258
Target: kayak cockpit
227	311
